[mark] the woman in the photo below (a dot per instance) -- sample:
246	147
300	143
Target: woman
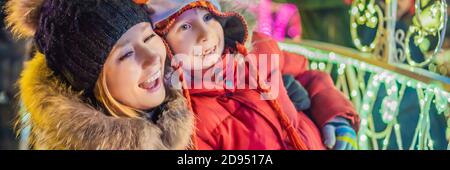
97	80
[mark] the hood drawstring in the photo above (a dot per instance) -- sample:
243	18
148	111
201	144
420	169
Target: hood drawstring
293	134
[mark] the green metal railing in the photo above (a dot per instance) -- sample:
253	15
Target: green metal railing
377	90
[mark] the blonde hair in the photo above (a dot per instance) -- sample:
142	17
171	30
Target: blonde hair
114	107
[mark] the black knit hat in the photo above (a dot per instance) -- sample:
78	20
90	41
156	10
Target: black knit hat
76	36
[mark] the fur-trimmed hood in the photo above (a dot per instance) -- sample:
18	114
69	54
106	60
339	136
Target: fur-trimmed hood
59	119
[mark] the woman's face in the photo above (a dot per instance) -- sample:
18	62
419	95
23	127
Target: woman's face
198	37
134	68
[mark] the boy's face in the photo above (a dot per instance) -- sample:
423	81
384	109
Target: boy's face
196	36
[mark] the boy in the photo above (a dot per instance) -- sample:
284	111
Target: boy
229	117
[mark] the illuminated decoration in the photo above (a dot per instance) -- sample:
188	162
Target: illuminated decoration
24	138
390	104
3	98
370	15
427	22
363	94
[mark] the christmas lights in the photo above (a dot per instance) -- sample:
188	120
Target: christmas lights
370	15
427	22
364	94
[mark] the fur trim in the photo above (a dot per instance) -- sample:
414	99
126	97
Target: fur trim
23	16
59	119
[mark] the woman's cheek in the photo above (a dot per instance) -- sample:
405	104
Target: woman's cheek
129	73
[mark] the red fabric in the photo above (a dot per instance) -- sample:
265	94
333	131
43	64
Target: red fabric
238	118
348	2
412	9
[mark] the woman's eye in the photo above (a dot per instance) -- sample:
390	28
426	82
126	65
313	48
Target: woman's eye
128	54
149	38
207	17
186	27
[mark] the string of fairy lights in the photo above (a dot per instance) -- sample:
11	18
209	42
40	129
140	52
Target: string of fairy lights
429	20
363	95
367	14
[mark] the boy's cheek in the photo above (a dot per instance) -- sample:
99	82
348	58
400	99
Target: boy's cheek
180	47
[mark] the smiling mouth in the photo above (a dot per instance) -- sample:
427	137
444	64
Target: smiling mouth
207	52
153	82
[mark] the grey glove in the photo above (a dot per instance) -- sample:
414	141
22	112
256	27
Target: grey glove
297	93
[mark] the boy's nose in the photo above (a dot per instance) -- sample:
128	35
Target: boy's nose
203	33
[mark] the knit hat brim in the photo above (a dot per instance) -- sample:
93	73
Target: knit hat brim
77	36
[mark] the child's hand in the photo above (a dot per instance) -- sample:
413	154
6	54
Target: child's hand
339	135
297	93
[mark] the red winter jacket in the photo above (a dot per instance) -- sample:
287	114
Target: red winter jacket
239	120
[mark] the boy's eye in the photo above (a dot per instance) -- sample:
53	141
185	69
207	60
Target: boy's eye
186	26
207	17
128	54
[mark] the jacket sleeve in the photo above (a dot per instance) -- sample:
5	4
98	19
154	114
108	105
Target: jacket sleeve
327	102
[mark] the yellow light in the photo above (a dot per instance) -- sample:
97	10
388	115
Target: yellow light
397	126
363	122
314	66
321	66
366	107
354	93
363	138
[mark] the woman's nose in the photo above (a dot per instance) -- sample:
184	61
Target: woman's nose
148	56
